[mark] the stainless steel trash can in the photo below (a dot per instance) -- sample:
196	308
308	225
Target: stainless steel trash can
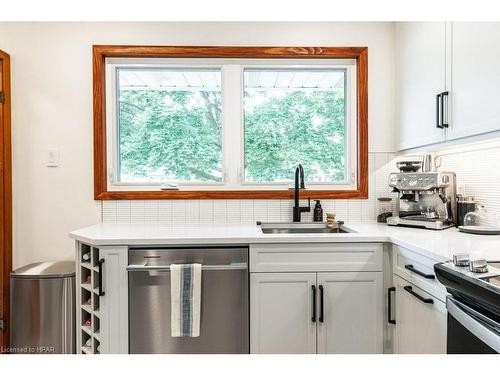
43	308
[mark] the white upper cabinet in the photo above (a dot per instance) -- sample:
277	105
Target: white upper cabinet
475	78
461	58
421	75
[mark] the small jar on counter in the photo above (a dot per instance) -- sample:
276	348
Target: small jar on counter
465	204
384	209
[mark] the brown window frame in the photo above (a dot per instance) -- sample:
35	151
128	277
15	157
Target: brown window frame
101	52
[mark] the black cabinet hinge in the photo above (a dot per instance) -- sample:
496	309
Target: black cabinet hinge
2	97
2	324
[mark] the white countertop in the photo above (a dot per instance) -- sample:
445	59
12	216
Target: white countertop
439	245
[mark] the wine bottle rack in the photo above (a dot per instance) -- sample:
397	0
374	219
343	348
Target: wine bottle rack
88	300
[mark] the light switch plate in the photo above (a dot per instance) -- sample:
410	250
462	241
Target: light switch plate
52	157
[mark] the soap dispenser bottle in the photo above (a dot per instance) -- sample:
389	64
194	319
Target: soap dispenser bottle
318	211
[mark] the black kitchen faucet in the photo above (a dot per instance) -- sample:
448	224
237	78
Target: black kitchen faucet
299	184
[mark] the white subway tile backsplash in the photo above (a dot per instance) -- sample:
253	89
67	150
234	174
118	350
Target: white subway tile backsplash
108	211
354	211
273	210
151	212
123	214
206	211
233	211
260	210
178	212
247	207
286	210
137	212
220	211
477	172
248	211
165	212
368	210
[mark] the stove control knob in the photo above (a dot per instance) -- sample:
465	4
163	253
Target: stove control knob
479	266
461	260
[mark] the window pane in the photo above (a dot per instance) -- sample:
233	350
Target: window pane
170	124
294	116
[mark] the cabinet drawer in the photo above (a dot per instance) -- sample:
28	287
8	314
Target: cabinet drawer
420	321
316	257
418	270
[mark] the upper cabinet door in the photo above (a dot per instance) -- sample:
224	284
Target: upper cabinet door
421	75
475	72
281	312
352	312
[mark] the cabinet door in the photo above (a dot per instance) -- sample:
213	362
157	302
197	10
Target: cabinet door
353	312
420	326
281	309
475	78
113	305
421	70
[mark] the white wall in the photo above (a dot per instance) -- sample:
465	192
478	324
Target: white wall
52	107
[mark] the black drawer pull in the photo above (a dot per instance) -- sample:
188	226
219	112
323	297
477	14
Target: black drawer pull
409	289
321	305
410	267
389	303
100	292
313	288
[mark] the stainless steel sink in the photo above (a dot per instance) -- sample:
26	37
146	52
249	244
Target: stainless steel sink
302	228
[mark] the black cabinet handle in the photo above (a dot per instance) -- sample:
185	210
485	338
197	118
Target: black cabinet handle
438	111
409	289
321	305
441	114
410	268
389	305
100	291
444	114
313	319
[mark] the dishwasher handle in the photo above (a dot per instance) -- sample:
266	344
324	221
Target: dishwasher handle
217	267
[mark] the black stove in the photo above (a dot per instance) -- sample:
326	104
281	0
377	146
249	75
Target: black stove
473	305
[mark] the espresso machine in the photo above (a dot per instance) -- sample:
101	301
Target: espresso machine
426	199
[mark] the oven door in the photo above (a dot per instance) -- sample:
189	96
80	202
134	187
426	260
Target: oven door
470	332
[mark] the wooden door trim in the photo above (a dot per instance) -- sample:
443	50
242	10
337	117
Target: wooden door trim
101	52
6	197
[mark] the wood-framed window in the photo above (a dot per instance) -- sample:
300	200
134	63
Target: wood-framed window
229	122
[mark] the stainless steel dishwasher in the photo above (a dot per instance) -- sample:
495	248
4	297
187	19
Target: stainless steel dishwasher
224	300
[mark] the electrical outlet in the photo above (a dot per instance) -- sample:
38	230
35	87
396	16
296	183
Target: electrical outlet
52	157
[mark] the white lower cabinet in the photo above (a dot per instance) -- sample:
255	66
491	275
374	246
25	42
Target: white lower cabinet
102	299
281	313
353	309
420	320
324	312
114	302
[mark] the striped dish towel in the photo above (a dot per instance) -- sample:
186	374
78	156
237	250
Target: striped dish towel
185	288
